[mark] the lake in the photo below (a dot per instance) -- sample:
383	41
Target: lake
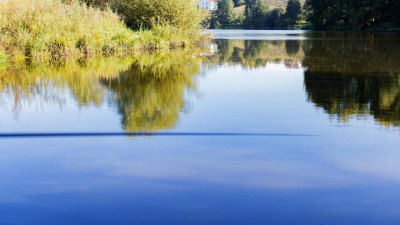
328	102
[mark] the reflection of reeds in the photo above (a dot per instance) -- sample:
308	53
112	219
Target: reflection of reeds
148	88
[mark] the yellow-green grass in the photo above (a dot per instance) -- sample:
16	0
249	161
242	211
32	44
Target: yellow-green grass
3	59
43	30
239	10
278	3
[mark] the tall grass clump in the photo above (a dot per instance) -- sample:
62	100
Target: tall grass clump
3	59
44	29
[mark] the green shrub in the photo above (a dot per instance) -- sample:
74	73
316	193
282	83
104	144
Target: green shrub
182	14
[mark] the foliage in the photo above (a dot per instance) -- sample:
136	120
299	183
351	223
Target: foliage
44	29
321	14
293	11
255	13
352	14
145	14
275	18
225	13
238	2
3	59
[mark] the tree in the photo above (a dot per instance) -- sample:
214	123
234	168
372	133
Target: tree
255	13
293	11
225	12
352	14
275	18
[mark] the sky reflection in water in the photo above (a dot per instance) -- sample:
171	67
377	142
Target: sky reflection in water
346	90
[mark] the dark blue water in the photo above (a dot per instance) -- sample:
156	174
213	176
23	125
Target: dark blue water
343	87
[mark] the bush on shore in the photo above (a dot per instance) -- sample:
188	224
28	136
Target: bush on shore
180	18
183	14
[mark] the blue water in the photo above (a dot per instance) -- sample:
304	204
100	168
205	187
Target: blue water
350	174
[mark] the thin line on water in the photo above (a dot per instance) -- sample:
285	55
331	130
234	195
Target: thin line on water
95	134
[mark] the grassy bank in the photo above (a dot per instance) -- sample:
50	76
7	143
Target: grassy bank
42	30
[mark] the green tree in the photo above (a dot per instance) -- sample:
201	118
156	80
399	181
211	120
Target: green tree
255	13
225	12
275	18
293	11
395	11
352	14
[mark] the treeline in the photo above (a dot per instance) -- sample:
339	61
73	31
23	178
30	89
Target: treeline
317	14
256	14
352	14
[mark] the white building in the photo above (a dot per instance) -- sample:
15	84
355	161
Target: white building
208	4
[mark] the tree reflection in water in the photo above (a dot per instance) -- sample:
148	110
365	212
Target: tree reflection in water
345	73
354	74
147	89
151	97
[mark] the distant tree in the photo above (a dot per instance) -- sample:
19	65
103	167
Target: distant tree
323	14
352	14
293	11
395	11
225	12
248	9
255	12
275	18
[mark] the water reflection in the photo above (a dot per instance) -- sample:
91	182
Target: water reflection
350	175
148	90
256	53
150	99
347	74
354	74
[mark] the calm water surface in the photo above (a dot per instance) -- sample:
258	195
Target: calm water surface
344	87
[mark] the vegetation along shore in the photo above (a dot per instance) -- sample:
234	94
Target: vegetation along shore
43	30
307	14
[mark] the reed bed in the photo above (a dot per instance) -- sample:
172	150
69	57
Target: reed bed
43	30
